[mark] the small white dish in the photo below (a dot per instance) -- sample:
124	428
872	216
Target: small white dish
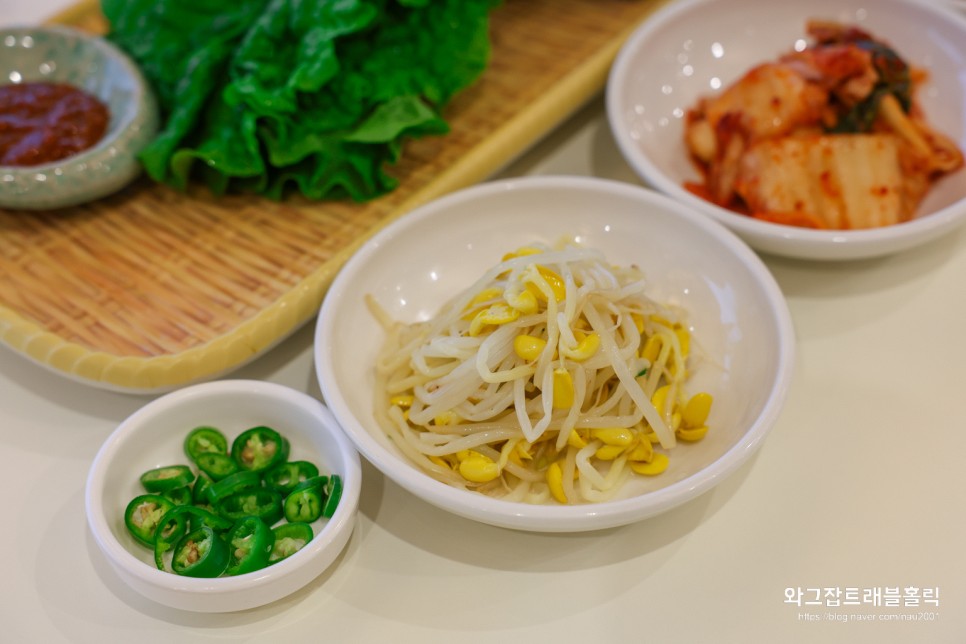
154	437
735	310
692	48
90	63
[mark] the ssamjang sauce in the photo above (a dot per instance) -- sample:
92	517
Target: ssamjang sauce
44	122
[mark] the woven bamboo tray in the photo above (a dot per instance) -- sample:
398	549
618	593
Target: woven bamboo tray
152	289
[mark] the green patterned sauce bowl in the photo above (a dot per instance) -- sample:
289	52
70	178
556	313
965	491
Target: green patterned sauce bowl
94	65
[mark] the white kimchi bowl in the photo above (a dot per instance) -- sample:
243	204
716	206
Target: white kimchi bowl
733	306
693	48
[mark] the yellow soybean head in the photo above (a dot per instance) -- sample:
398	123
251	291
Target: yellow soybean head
691	434
697	409
523	251
652	348
684	339
440	462
643	452
495	314
522	300
500	314
477	324
528	347
656	465
555	482
609	452
404	401
554	281
479	470
576	439
659	399
521	453
618	436
563	389
506	451
587	346
446	418
486	295
473	307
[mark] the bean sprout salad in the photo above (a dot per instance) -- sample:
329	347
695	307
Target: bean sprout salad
553	378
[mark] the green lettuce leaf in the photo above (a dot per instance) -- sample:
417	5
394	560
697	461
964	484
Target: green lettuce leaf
310	95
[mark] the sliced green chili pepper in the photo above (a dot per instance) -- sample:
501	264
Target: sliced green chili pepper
249	546
200	516
173	526
259	449
179	495
205	440
199	491
163	479
286	476
179	520
304	503
240	481
216	466
143	515
333	492
289	539
263	503
200	553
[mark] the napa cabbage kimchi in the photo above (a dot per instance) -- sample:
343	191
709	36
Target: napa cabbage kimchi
827	137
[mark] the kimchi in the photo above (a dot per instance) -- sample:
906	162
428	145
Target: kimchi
827	137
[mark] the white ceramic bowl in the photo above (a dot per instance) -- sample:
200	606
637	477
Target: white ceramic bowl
154	435
691	47
65	55
412	266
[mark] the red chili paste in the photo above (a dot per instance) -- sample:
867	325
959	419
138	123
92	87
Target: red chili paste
45	122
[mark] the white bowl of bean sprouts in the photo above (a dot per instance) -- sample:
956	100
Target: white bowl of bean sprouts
696	50
725	306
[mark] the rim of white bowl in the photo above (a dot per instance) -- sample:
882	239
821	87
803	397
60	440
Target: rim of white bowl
791	241
143	100
551	518
121	558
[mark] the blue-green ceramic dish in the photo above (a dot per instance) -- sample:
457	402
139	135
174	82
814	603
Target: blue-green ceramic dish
90	63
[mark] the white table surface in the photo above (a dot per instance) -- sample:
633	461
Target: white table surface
859	489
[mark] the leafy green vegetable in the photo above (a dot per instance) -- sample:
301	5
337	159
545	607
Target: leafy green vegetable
317	95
